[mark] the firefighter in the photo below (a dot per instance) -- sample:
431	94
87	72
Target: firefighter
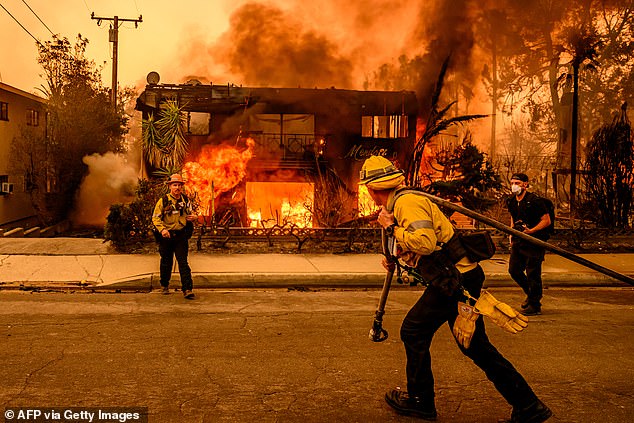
419	227
173	220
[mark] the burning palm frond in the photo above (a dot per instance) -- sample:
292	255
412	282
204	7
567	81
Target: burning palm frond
436	124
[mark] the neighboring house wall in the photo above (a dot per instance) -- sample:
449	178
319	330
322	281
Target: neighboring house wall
19	112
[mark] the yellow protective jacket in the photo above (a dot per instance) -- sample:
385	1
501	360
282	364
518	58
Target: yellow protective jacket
172	216
421	226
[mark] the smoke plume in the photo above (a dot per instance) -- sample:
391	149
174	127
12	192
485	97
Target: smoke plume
340	44
111	179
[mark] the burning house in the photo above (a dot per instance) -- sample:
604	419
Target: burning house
263	156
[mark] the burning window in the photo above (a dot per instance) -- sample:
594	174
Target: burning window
393	126
270	203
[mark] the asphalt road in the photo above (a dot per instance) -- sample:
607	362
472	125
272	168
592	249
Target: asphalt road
291	356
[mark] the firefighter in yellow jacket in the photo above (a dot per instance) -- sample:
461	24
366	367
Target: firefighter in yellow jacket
420	229
173	220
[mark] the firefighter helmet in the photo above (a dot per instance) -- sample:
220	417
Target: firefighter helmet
379	173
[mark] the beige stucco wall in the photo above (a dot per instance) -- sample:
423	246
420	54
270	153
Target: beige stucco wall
17	206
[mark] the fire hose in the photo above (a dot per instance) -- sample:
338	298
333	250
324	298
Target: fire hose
545	245
378	334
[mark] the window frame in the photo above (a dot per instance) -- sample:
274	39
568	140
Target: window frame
32	117
385	126
4	111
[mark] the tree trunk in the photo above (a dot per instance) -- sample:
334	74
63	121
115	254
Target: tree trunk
573	138
494	95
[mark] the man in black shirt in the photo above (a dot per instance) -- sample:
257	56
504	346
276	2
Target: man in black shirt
529	215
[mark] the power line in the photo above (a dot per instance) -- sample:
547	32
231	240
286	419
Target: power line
27	5
22	26
114	39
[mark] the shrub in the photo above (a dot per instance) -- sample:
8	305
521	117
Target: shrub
130	224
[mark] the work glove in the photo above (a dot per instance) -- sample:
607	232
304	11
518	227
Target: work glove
500	313
464	326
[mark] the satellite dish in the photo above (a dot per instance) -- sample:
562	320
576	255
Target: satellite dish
153	78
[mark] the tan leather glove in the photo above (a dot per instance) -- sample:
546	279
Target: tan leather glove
500	313
464	326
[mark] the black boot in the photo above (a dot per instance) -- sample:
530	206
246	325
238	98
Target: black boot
532	310
537	412
411	406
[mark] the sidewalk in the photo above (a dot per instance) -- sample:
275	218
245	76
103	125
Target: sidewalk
50	263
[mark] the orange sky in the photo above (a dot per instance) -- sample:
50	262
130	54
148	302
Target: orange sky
153	46
176	39
283	43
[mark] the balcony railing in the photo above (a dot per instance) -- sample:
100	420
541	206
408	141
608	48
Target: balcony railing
287	146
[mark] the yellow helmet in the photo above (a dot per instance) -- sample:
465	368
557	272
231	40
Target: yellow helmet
379	173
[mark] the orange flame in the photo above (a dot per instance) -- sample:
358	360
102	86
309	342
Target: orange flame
297	214
420	128
366	204
280	203
217	169
428	153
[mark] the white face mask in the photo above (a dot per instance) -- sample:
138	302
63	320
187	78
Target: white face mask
516	189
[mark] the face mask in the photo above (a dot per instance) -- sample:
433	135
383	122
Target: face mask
516	189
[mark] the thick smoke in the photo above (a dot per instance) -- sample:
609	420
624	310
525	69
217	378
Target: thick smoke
338	44
356	44
265	45
306	45
111	179
446	30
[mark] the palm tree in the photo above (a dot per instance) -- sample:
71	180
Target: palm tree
583	45
164	144
436	124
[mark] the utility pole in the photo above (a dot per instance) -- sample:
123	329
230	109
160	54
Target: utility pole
114	39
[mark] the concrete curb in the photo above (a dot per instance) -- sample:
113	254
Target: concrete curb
150	282
88	264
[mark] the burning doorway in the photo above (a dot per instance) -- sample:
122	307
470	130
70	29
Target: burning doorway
270	203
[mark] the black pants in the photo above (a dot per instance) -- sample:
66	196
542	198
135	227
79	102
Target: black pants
177	245
525	267
431	311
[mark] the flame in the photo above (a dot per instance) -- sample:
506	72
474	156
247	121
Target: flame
429	153
217	169
297	214
256	218
280	203
420	128
366	204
